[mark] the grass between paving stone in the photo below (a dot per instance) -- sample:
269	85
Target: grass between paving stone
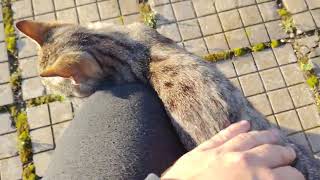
147	15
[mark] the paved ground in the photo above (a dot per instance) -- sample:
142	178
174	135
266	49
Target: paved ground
271	79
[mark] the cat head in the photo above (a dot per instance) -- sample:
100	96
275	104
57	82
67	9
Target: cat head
63	63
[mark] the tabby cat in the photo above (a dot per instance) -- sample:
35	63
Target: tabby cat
75	60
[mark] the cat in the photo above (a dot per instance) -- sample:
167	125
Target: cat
74	60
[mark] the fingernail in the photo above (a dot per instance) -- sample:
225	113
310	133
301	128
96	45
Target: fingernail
243	122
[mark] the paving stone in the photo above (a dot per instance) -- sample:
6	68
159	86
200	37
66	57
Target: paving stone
264	59
295	6
21	9
304	21
273	122
309	116
242	3
6	94
244	64
32	88
11	169
58	131
170	31
301	95
38	116
164	14
203	7
226	68
210	24
1	32
3	52
230	20
108	9
275	30
257	34
316	64
300	139
289	122
261	103
132	18
5	123
80	2
314	139
251	84
1	15
292	74
250	15
314	53
8	145
316	16
237	38
26	47
189	29
309	41
88	13
60	111
28	67
68	16
196	46
63	4
272	79
4	72
42	139
158	2
269	11
41	161
223	5
116	21
42	6
235	83
313	4
45	17
128	6
280	100
183	10
216	43
285	54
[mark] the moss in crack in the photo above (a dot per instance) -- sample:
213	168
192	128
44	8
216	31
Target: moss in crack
240	51
258	47
44	100
313	81
287	21
222	55
29	173
15	80
275	43
147	15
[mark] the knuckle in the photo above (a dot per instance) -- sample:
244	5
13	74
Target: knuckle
242	159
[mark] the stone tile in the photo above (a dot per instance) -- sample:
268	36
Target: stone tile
116	21
170	31
88	13
196	46
313	137
257	34
250	15
3	52
203	7
292	74
289	122
261	103
164	14
313	4
4	72
226	68
1	15
269	11
11	169
80	2
316	65
128	6
132	18
42	139
309	41
26	47
315	53
41	161
1	32
38	116
63	4
108	9
285	54
251	84
6	123
6	94
189	29
237	38
275	30
216	43
183	10
223	5
316	16
32	88
280	100
235	83
309	116
244	64
210	24
8	145
68	16
58	131
230	20
295	6
158	2
272	121
304	21
60	111
300	139
242	3
301	95
264	59
45	17
28	67
22	9
272	79
42	6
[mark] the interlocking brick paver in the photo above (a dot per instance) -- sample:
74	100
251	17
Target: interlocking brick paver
32	88
250	15
26	48
313	136
60	111
303	21
108	9
80	2
203	7
1	15
226	68
158	2
216	43
245	2
171	31
42	139
210	24
261	103
316	16
3	50
264	59
1	32
128	6
230	20
292	74
45	17
301	95
183	10
6	123
68	16
237	38
11	168
244	64
58	130
8	145
41	161
280	100
42	6
272	121
275	30
251	84
295	6
6	94
164	14
309	116
189	29
316	64
38	116
88	13
223	5
235	83
4	72
289	122
63	4
272	79
22	9
196	46
300	138
285	54
269	11
257	34
28	67
313	4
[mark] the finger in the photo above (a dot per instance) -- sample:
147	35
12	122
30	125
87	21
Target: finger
287	173
246	141
225	135
271	156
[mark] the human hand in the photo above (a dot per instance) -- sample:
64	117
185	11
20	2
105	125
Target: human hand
235	153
